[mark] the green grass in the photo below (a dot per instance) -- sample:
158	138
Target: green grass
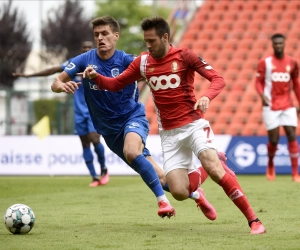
123	215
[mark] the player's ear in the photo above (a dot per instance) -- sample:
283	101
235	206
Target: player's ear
117	35
165	37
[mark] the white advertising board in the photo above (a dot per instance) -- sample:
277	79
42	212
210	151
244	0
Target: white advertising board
62	155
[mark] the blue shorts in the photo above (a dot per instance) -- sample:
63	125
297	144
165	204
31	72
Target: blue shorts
116	141
83	126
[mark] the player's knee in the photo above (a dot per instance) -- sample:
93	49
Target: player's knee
131	153
179	195
215	171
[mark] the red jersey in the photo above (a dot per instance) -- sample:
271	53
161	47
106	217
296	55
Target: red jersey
171	81
276	78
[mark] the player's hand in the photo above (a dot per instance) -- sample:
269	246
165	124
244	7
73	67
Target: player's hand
265	100
202	103
70	87
19	75
298	111
89	73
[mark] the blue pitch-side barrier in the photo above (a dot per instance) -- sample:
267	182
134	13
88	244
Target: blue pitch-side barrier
249	155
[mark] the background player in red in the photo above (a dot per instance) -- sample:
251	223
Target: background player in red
276	75
170	73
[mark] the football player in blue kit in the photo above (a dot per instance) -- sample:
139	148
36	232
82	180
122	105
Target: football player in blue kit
83	125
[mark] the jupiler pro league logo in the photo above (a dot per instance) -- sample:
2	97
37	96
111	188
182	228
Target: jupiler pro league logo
242	155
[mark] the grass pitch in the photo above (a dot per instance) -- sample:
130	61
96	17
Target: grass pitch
123	215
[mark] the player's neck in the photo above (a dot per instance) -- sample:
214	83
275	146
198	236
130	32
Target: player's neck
105	55
279	55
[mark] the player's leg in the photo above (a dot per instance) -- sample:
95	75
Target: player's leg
293	148
204	143
99	149
89	159
182	176
160	173
129	146
272	123
133	151
222	158
82	130
289	121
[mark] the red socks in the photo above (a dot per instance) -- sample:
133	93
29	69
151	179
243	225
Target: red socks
203	176
294	154
271	153
236	194
194	178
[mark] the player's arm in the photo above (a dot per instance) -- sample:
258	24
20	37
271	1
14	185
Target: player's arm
63	83
46	72
296	86
217	82
131	74
260	82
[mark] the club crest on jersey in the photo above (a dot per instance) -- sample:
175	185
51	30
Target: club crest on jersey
150	70
115	72
288	68
273	67
174	67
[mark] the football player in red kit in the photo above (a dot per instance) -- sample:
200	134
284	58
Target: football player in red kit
276	75
169	73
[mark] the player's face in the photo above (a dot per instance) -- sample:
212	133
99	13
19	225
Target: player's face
155	45
86	46
278	45
105	38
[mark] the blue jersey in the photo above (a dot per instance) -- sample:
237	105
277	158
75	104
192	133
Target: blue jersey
109	110
80	106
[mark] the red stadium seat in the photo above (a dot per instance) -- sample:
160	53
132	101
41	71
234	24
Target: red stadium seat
279	6
239	118
234	51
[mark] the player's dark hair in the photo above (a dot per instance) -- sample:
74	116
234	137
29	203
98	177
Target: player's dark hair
158	23
277	35
106	20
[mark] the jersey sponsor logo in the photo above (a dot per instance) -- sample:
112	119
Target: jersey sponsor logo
70	66
115	72
93	66
164	82
93	86
280	77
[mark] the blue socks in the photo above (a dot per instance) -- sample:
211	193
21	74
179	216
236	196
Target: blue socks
88	158
99	149
141	165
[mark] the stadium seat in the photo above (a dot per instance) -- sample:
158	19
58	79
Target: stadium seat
279	6
234	51
239	118
260	14
274	16
225	25
283	26
265	6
